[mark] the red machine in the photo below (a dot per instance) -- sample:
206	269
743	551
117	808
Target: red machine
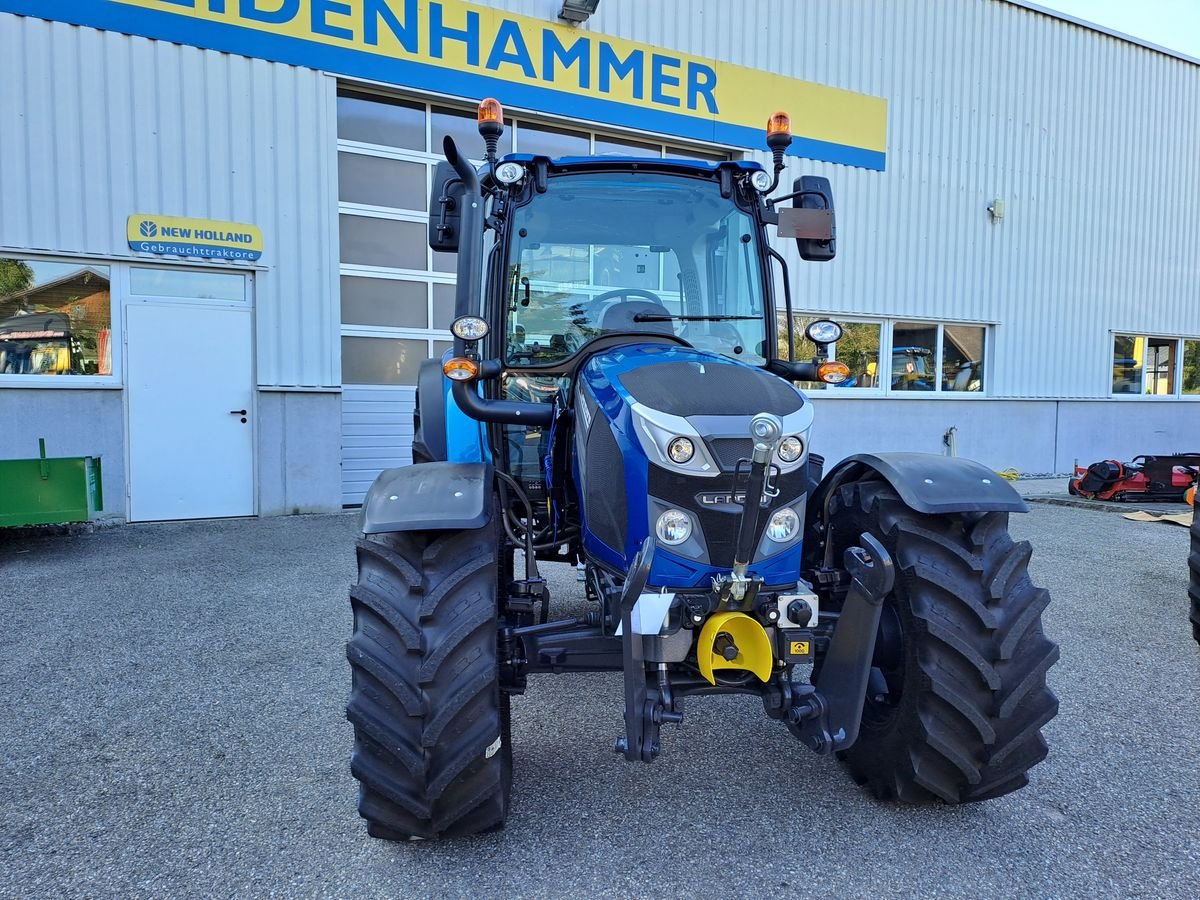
1164	478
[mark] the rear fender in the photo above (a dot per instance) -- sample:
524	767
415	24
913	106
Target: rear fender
926	482
431	496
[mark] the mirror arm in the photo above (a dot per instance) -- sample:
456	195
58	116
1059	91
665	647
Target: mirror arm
794	194
793	371
787	301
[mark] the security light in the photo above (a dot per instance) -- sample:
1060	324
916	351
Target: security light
577	11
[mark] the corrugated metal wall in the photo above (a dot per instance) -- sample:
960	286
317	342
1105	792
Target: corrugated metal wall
97	126
1090	141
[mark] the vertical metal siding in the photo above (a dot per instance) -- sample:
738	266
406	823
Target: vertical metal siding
100	125
1090	141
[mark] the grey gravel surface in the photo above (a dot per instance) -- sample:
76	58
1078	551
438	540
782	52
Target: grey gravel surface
172	702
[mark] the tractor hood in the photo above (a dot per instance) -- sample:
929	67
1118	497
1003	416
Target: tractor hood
631	403
690	393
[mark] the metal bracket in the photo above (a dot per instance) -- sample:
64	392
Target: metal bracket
645	710
829	719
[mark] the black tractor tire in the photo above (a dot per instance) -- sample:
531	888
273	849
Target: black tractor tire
432	741
958	695
1194	569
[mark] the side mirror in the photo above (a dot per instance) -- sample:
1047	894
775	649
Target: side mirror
445	209
811	220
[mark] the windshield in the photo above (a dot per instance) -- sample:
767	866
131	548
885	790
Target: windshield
633	252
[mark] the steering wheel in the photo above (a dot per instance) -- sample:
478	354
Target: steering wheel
628	292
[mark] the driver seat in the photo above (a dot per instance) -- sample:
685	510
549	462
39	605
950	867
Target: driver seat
620	317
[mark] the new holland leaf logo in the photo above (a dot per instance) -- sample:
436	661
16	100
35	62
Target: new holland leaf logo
148	229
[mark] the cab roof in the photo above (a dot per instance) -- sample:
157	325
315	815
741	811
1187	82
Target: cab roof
670	164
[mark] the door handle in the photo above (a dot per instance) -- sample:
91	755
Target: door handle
237	412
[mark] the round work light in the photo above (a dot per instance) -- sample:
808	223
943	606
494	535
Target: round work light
509	172
469	328
823	331
761	181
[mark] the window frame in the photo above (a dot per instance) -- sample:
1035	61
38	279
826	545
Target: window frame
116	286
1179	345
887	340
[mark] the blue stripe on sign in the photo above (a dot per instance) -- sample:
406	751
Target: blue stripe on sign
207	251
112	16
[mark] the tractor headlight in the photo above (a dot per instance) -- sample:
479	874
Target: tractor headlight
783	525
509	172
681	450
674	527
791	449
761	181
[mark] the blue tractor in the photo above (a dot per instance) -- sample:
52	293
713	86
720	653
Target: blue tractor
616	399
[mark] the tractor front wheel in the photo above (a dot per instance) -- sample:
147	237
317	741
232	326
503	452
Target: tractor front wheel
432	749
958	695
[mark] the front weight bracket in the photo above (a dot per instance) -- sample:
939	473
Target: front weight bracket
829	720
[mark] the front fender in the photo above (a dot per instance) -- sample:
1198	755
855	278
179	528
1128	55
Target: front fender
429	496
926	482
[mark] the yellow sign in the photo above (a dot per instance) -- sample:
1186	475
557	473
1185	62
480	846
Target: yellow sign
459	48
194	237
799	648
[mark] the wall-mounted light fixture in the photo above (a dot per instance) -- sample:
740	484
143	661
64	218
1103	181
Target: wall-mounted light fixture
996	210
577	11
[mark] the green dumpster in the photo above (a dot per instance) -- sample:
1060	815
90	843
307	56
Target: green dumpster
46	491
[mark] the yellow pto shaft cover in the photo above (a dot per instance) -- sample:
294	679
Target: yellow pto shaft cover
741	632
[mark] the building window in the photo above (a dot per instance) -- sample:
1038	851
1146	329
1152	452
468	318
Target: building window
1147	366
858	348
923	357
55	319
1191	367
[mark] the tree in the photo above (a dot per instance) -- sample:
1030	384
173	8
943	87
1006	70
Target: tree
16	275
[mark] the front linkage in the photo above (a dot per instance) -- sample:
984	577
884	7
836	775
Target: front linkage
824	715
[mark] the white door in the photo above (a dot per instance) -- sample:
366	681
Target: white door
191	425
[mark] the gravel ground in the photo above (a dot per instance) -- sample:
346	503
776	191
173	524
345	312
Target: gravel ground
172	703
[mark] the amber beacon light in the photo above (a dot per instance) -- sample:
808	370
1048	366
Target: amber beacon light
779	123
490	119
490	113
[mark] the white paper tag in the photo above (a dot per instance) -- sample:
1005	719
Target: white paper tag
649	614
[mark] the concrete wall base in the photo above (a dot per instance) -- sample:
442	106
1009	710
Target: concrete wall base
299	452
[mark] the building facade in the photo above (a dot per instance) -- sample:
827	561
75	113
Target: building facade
214	271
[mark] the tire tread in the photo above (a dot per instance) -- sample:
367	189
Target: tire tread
968	723
425	701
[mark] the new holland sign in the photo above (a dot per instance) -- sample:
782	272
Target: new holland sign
458	48
203	238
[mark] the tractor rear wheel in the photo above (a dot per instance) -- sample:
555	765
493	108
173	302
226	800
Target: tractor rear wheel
432	749
1194	566
958	691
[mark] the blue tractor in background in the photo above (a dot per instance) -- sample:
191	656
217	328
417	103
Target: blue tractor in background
616	399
